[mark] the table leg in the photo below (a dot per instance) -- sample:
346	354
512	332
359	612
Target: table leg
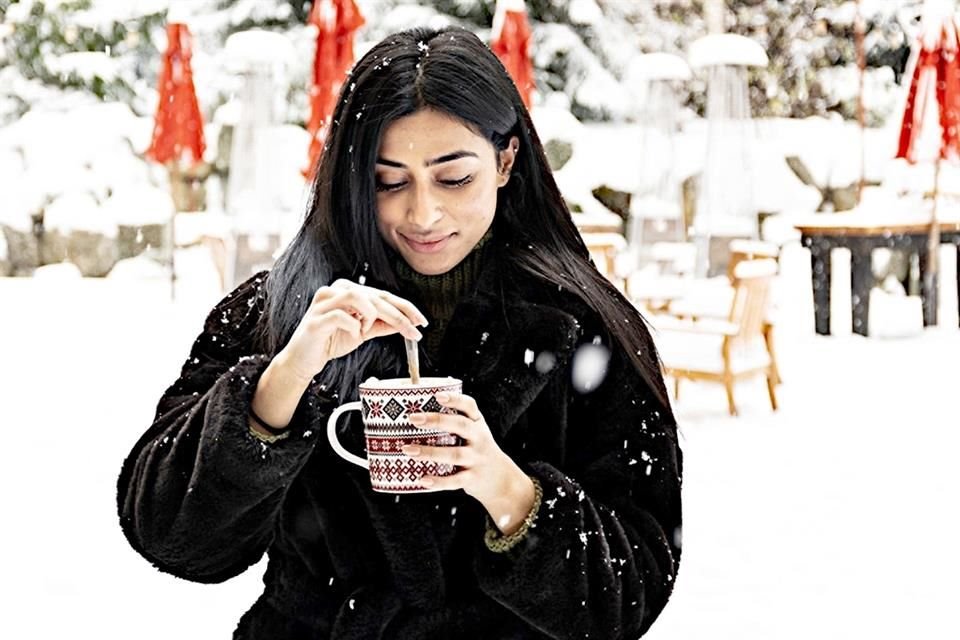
861	281
928	290
907	281
820	274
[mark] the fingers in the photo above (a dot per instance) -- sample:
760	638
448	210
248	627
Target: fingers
372	304
391	315
343	320
455	424
460	402
406	307
359	305
370	309
458	480
455	456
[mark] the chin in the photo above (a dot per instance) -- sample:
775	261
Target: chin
432	266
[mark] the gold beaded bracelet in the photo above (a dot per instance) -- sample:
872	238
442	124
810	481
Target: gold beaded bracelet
499	543
263	437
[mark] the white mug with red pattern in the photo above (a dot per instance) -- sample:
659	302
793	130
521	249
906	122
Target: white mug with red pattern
386	406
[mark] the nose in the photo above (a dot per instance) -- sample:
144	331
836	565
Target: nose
423	210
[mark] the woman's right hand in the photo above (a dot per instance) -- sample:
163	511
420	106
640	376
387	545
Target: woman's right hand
341	317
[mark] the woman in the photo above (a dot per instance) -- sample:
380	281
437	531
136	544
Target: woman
434	215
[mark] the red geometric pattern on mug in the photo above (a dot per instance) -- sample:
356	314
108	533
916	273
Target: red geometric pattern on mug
405	469
376	409
380	444
397	392
412	406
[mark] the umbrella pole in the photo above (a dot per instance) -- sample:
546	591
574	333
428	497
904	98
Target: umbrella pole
174	180
861	116
933	250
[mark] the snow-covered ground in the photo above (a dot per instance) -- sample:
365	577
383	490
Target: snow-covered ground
835	517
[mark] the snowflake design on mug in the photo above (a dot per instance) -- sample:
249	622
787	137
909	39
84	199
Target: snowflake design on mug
376	409
412	406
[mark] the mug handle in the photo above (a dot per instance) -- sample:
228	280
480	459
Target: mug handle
332	434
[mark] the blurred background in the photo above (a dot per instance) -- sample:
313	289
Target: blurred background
774	184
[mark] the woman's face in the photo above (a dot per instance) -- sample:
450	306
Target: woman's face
437	187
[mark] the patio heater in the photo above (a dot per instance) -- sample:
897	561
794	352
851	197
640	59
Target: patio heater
725	204
260	60
656	213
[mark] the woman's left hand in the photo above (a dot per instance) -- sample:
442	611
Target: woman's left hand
487	473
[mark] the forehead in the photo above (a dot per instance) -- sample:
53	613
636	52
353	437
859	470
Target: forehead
426	134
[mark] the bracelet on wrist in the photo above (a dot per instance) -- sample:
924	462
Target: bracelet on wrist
499	543
263	437
274	431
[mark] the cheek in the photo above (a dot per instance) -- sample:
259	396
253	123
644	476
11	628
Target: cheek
387	220
479	196
389	211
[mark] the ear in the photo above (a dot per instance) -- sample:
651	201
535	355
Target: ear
505	161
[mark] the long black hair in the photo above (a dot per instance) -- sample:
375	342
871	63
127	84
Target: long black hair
449	70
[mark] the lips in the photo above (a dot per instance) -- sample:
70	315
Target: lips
427	245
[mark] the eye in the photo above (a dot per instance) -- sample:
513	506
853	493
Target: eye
382	186
458	183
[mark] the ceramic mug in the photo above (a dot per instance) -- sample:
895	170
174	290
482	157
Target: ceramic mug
386	406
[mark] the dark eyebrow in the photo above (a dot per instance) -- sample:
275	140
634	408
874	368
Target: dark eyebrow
456	155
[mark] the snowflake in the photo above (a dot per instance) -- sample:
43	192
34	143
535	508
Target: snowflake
412	406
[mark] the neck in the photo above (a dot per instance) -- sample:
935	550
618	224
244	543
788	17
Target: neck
439	295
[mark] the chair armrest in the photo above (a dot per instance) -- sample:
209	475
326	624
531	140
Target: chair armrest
708	326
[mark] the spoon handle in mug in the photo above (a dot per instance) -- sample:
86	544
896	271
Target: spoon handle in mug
413	360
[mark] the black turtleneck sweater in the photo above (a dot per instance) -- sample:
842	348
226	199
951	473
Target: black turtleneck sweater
437	296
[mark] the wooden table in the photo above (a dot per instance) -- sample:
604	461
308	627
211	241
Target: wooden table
861	234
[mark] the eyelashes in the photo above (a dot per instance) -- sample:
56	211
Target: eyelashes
381	186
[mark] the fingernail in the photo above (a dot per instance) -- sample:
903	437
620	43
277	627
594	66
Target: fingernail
443	397
411	450
417	418
426	482
424	321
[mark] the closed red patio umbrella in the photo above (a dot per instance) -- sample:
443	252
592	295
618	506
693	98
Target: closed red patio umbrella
510	41
932	112
178	125
336	22
177	140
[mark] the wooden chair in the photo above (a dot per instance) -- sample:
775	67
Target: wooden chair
732	348
719	302
604	249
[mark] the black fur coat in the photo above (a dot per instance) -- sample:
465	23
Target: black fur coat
201	498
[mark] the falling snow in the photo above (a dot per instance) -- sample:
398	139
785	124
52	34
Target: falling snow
589	367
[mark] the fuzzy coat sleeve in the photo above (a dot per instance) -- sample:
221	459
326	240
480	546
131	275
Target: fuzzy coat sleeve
198	495
602	557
